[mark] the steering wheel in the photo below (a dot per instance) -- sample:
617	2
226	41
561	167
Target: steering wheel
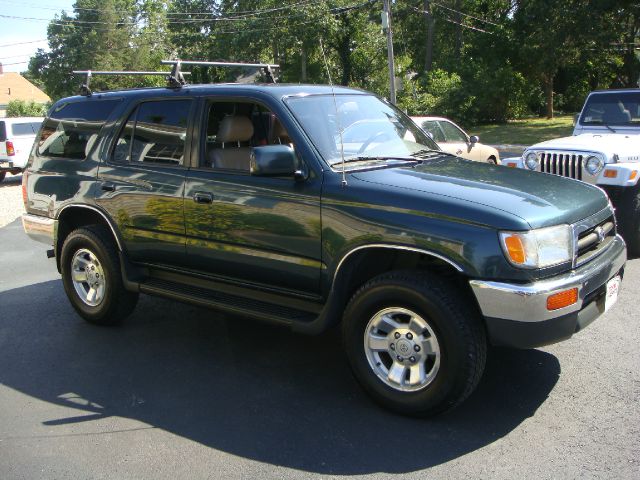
370	140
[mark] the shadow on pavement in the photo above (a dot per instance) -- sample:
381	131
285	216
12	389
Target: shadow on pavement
245	388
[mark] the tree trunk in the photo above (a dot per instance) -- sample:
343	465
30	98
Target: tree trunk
548	94
303	64
428	61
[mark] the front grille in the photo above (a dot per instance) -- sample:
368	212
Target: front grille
565	164
591	240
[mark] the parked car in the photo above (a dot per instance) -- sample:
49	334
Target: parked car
17	135
245	199
604	150
452	139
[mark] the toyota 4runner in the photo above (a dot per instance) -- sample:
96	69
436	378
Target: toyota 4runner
312	206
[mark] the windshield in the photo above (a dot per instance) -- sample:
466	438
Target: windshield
370	127
612	108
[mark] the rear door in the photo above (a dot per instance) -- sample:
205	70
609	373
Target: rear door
141	183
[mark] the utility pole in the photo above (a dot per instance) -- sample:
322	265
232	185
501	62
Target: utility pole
386	25
430	25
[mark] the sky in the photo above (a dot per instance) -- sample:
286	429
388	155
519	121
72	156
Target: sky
16	30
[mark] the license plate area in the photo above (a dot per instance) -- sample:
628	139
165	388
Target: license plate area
611	292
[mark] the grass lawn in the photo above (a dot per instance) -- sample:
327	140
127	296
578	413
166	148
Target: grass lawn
524	132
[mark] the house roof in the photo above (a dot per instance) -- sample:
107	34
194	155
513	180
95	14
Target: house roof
14	86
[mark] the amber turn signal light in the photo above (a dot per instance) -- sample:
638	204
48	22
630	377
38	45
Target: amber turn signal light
511	165
611	173
515	248
562	299
633	175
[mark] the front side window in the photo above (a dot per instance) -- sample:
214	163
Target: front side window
155	132
432	127
358	125
452	133
72	128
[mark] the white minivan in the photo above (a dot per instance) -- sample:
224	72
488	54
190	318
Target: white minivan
17	135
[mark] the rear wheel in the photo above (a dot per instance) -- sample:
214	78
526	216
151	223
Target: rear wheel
92	278
412	343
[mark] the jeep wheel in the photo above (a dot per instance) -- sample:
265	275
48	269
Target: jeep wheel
92	278
628	213
412	345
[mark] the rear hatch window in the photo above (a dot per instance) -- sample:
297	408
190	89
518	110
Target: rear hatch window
24	129
72	128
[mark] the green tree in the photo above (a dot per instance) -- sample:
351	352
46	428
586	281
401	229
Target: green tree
21	108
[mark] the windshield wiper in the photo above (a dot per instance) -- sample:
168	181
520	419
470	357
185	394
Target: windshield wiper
429	153
364	158
609	128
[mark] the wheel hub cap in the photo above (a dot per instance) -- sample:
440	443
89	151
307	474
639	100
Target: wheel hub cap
402	349
88	277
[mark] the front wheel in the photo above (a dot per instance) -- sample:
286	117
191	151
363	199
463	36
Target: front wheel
92	278
413	344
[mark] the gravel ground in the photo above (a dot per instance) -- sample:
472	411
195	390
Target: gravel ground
10	199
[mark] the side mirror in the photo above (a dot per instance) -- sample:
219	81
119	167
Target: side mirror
474	139
273	161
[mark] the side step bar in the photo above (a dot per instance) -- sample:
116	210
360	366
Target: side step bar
226	302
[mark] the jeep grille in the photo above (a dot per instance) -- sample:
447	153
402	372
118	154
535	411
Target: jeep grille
565	164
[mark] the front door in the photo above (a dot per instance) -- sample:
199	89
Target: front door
141	184
263	231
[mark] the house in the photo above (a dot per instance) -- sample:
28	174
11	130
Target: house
14	86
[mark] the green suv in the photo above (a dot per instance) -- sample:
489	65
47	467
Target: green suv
312	207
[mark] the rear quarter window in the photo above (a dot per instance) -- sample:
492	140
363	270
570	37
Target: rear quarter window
24	129
3	132
72	128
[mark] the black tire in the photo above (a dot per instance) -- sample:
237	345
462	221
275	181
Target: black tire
116	302
628	215
455	323
492	160
2	175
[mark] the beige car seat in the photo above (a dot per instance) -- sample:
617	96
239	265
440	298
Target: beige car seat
233	130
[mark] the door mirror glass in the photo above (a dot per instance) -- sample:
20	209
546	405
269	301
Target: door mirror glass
273	161
474	139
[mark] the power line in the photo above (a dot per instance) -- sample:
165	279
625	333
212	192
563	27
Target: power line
464	25
465	14
22	43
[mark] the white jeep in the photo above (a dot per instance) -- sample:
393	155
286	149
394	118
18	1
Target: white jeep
604	151
17	135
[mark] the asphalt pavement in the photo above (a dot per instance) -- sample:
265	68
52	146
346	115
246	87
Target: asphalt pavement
184	392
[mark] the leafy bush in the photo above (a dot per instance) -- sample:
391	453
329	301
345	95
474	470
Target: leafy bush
22	108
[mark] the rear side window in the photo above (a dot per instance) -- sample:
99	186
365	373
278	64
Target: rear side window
3	132
25	129
154	133
72	128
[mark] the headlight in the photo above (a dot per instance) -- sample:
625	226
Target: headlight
594	165
531	161
539	248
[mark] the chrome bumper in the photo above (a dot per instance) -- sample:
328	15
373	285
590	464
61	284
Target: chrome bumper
40	229
528	302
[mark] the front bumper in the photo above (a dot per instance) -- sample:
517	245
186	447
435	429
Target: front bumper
39	228
516	315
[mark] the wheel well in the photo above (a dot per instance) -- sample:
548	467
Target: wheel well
367	263
72	218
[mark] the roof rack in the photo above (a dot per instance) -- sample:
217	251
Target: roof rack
85	88
267	68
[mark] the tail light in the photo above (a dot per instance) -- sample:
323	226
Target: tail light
25	176
10	150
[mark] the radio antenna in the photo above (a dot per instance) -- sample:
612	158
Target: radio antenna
335	106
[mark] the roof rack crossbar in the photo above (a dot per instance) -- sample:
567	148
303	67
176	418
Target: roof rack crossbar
85	88
267	67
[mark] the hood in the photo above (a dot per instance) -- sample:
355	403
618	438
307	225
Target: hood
497	196
607	143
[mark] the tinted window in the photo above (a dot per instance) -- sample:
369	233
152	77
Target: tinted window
3	132
72	128
30	128
614	108
155	133
435	131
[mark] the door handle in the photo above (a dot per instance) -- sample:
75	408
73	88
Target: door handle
202	197
108	187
